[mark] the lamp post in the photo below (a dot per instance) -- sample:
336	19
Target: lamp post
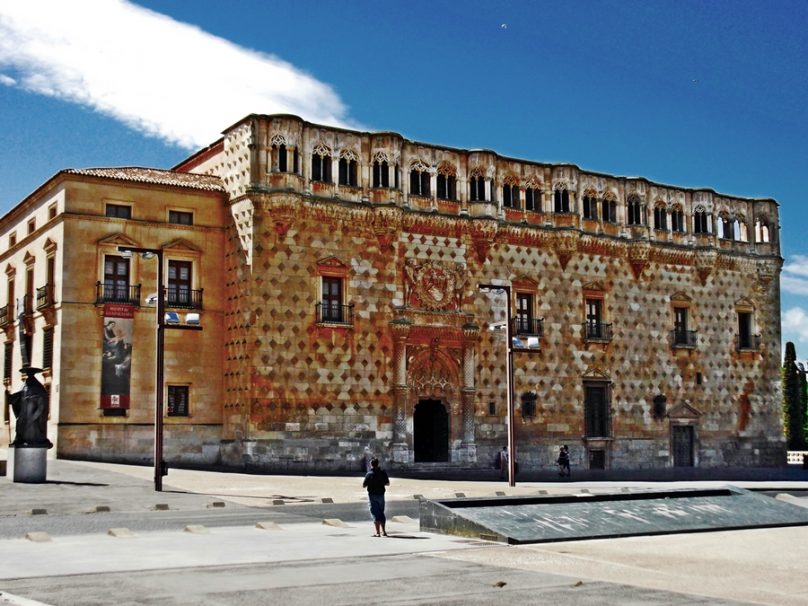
504	288
159	465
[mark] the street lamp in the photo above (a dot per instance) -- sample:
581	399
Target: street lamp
504	288
159	464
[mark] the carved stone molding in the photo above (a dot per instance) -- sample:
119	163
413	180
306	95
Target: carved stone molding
434	285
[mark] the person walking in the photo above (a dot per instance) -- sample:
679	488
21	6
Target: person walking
503	463
563	461
375	481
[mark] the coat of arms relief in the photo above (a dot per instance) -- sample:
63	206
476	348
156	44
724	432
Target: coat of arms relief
434	285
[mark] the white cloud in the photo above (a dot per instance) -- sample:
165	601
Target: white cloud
797	264
795	325
165	78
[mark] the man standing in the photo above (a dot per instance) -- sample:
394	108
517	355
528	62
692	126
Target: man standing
375	481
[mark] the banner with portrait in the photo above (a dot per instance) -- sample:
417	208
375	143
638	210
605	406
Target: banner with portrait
116	355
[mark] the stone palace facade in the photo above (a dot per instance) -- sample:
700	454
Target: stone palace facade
335	275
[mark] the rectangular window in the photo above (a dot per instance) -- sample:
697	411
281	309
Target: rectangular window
47	348
746	337
596	410
594	317
28	300
179	217
177	401
524	313
10	294
332	300
532	200
119	211
178	289
31	226
51	212
680	319
116	278
12	239
8	355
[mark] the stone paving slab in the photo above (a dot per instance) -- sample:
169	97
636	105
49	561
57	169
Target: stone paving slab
519	520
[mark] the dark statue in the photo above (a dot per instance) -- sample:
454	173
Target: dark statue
30	406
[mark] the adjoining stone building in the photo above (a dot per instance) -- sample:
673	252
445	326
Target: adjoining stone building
342	315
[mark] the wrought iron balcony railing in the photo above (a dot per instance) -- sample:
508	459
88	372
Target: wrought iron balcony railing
333	313
597	331
683	338
28	304
4	315
110	293
528	326
184	298
44	296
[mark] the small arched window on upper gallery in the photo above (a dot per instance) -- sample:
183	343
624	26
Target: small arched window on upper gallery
762	230
419	179
280	156
635	210
590	205
561	200
348	167
321	164
609	207
660	216
533	195
677	219
741	230
726	227
447	181
510	193
701	221
477	185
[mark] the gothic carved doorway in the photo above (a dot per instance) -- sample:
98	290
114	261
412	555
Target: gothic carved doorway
430	431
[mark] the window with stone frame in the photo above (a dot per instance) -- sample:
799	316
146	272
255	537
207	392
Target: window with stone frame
635	210
477	191
660	217
595	326
332	309
419	179
682	335
381	173
561	200
746	339
525	304
596	409
701	221
348	168
533	199
609	208
677	219
116	279
447	182
47	347
510	194
178	404
590	206
180	217
179	284
321	164
118	211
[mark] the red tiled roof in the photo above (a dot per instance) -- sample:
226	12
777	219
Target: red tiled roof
154	176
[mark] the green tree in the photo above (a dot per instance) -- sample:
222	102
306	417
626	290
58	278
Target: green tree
794	397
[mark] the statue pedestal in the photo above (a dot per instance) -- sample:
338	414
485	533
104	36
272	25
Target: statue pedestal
29	464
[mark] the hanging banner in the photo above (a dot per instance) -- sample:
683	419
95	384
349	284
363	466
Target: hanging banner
116	361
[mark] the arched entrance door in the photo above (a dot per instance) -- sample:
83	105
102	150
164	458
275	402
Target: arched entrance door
430	431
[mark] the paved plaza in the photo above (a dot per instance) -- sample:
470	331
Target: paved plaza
306	540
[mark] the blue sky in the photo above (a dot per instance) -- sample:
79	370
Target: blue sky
696	94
